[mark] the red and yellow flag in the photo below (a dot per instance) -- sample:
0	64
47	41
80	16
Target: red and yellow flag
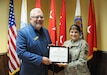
52	23
38	4
62	30
91	31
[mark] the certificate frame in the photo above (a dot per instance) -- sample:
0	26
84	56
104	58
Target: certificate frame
59	54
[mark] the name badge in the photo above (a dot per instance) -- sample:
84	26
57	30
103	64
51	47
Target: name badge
35	38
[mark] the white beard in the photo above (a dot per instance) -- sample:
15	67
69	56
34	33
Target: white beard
38	26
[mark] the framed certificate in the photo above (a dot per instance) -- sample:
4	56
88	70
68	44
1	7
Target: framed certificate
59	54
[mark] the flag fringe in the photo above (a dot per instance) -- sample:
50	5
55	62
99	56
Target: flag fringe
94	49
90	57
14	71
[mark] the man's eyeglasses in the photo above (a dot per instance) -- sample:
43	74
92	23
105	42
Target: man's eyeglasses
37	17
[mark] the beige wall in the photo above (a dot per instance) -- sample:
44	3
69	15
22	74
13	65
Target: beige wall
100	10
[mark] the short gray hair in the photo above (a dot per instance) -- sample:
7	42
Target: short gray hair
35	10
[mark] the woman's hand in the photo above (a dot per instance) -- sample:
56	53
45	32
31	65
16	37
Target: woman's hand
62	64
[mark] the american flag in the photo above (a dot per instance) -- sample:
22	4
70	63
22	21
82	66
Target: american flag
13	60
